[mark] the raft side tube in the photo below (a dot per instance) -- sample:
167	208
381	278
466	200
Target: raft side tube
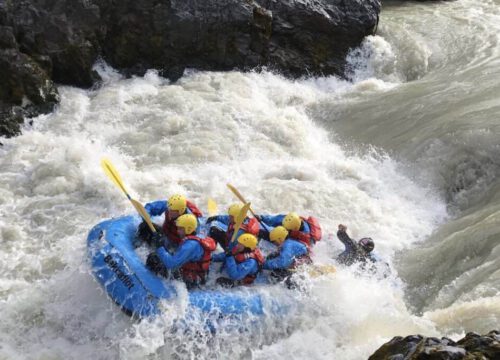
225	302
122	285
118	267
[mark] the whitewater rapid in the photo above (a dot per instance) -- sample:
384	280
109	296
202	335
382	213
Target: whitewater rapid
406	151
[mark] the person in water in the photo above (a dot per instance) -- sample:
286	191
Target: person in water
355	252
291	254
191	260
242	263
249	225
306	231
176	206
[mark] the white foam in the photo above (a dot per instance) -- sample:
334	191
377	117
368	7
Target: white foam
252	130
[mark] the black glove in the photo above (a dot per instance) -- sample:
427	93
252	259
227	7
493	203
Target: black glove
155	264
211	218
157	240
273	255
264	234
143	231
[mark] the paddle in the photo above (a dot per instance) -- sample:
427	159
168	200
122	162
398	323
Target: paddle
237	225
111	172
239	220
316	270
212	207
242	199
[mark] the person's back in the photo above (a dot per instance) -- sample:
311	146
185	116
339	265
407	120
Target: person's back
192	258
307	231
223	238
173	208
242	263
291	252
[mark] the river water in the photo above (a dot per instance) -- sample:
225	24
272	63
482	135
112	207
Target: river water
406	151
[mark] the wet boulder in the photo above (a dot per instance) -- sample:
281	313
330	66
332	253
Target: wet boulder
27	89
417	347
43	42
296	38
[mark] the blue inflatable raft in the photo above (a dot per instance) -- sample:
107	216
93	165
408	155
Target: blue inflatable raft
120	270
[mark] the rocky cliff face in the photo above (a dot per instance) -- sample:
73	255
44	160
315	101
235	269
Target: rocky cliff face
43	42
417	347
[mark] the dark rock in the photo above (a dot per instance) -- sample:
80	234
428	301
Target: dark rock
412	338
416	347
494	334
397	357
397	348
432	341
488	345
294	37
67	32
26	90
441	353
7	39
10	120
60	40
25	79
448	341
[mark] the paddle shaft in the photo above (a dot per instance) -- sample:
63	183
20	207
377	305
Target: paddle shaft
242	199
113	174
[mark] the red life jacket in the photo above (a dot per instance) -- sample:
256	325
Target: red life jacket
302	237
314	232
254	254
197	271
170	228
315	228
194	209
251	227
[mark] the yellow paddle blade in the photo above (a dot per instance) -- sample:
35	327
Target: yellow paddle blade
239	220
317	270
239	196
212	207
111	172
144	214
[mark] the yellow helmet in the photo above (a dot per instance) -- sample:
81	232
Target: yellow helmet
188	222
178	203
292	221
234	210
248	240
278	234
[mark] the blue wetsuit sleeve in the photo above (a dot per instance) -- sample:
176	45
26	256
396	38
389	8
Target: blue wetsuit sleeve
241	270
289	251
220	257
189	251
221	218
272	220
199	226
156	208
305	227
